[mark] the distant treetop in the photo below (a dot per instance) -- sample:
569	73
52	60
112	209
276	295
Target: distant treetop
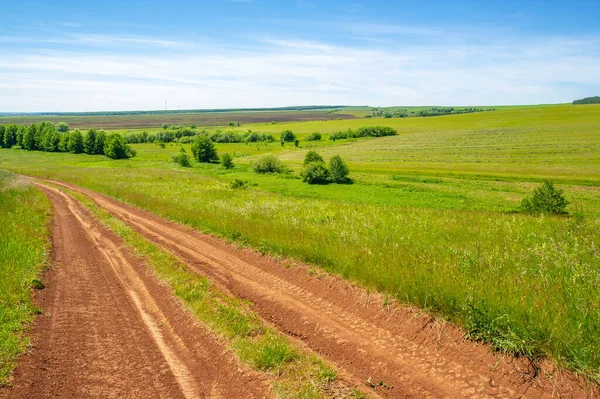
588	100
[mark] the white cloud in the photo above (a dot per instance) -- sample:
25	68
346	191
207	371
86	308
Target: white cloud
292	72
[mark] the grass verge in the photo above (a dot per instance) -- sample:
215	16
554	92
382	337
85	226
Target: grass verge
24	251
296	374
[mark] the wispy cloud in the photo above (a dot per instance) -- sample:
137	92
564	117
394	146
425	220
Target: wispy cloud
282	71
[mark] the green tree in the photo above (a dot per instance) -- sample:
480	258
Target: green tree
100	140
204	150
29	138
115	147
288	136
227	161
10	136
89	143
62	127
63	144
315	173
546	199
51	139
2	130
20	133
312	156
75	145
338	170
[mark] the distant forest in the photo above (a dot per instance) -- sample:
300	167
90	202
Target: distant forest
588	100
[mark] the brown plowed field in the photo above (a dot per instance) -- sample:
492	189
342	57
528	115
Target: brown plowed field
156	120
111	330
398	351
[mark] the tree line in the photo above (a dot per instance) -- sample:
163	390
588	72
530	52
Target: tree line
48	137
588	100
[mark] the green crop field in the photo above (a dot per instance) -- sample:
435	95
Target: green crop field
430	218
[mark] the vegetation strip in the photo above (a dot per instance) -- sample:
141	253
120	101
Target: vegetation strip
296	373
24	252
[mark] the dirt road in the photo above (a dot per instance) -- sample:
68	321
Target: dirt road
396	351
110	330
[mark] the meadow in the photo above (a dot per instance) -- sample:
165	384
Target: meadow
431	217
23	255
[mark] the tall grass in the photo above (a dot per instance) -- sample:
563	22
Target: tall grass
526	284
23	254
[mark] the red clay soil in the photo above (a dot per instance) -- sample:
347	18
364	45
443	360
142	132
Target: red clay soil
111	330
398	351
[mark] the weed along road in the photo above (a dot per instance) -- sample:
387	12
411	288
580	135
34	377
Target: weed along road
111	328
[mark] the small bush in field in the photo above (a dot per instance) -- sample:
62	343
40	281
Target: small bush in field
338	171
316	136
546	199
227	161
268	164
312	156
238	183
181	158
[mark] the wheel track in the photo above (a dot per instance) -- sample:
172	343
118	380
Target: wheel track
114	331
332	320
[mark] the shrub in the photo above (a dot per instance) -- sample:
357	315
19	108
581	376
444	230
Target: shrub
116	148
227	161
316	136
165	126
288	136
204	150
296	143
238	183
338	171
100	139
312	156
181	158
546	199
315	173
268	164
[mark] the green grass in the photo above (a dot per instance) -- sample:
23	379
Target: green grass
23	255
296	374
428	219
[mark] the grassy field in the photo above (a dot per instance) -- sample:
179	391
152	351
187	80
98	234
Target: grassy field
429	218
23	254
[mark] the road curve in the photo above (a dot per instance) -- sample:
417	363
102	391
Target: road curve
111	330
395	350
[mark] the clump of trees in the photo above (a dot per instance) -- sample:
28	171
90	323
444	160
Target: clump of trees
60	138
204	150
545	199
366	131
588	100
314	170
287	136
433	111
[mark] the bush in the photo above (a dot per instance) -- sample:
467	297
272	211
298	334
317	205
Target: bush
238	183
288	136
546	199
268	164
312	156
227	161
315	173
116	148
338	171
89	143
204	150
316	136
181	158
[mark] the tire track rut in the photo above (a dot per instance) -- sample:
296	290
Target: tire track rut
111	330
400	353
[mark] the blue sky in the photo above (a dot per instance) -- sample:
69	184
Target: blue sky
126	55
